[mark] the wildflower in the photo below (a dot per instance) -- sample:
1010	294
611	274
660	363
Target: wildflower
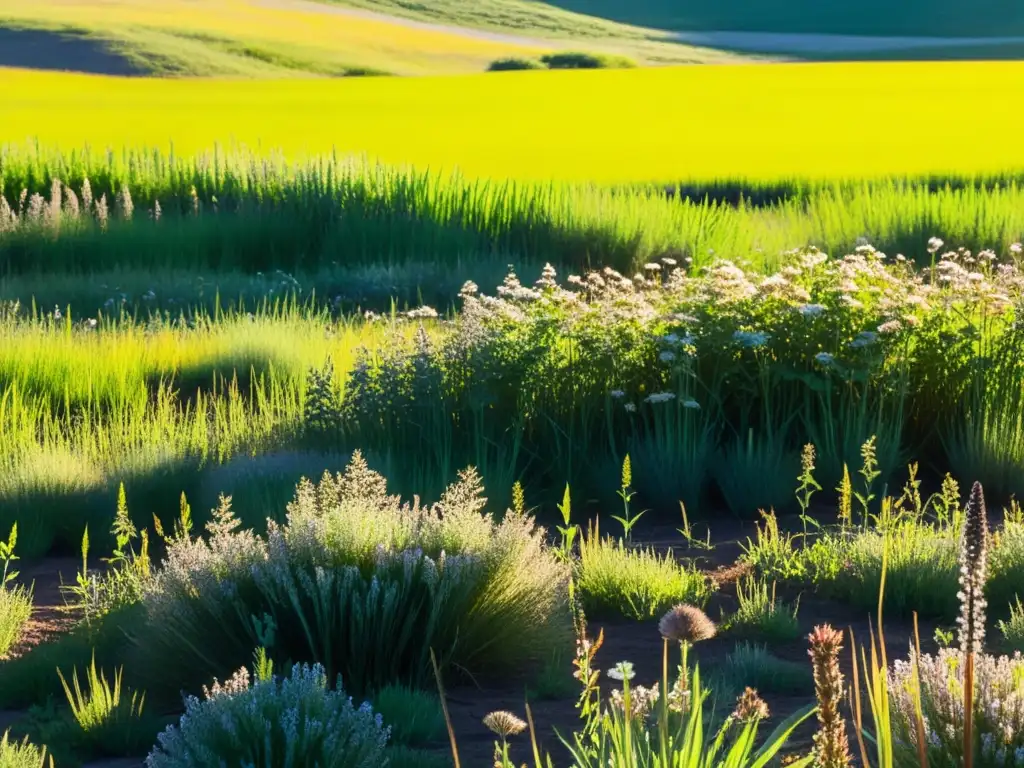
421	313
652	267
56	312
812	310
641	700
750	339
667	357
934	244
864	339
750	707
891	326
668	262
504	724
1016	249
973	568
469	288
686	624
617	394
660	397
691	404
831	745
824	358
623	671
630	407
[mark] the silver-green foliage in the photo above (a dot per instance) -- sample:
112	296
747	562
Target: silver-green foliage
363	584
293	722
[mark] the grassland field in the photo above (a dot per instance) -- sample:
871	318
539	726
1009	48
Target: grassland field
667	125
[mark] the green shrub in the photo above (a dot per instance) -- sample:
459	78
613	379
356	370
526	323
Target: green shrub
1006	562
21	754
581	60
1013	628
361	584
292	722
414	717
15	599
752	665
760	615
636	583
514	63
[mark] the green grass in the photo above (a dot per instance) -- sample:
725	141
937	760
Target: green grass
15	611
1012	629
752	665
759	615
251	215
414	716
635	583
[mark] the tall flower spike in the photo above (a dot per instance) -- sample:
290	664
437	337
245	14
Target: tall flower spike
973	570
831	745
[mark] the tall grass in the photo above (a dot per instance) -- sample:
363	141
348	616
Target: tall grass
237	210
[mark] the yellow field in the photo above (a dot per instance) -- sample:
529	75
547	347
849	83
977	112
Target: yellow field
306	34
757	121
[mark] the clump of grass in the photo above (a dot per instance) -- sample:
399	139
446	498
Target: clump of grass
615	580
1012	628
403	580
15	599
514	63
760	615
750	664
583	60
22	754
414	716
405	757
109	723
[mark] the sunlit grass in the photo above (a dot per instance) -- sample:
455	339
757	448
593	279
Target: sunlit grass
657	124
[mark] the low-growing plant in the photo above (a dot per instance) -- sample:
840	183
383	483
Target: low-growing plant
292	722
760	614
1012	628
22	754
614	580
109	722
404	757
413	716
15	599
580	60
750	664
362	584
514	63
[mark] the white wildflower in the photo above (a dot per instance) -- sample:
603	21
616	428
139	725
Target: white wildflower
812	310
667	357
934	244
825	358
660	397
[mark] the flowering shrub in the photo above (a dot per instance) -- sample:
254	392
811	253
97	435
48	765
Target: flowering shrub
362	584
998	707
297	721
672	365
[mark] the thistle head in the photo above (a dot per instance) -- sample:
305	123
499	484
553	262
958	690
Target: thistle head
686	624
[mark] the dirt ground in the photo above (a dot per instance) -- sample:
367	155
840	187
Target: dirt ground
637	642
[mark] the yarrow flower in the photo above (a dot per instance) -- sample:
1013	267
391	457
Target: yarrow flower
812	310
667	357
750	339
630	407
617	394
691	404
622	671
1016	249
864	339
934	244
825	358
660	397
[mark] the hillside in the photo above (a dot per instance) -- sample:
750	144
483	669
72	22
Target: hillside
282	38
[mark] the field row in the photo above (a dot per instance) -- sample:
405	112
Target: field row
665	125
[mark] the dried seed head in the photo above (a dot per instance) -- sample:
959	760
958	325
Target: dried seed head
831	745
504	724
750	706
686	624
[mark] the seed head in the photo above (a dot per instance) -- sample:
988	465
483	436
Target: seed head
504	724
750	706
686	624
